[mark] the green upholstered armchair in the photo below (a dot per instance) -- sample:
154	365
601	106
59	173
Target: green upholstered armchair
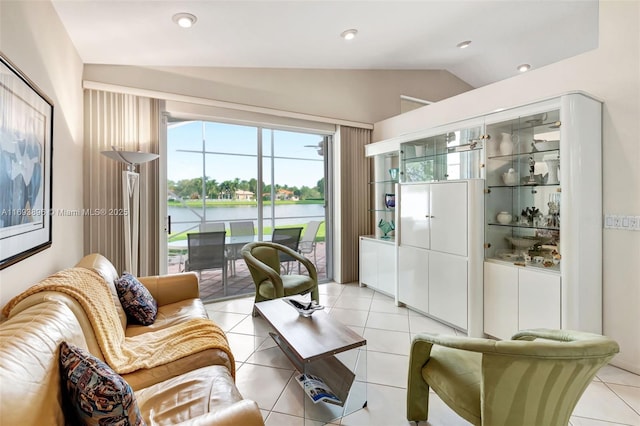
534	379
263	261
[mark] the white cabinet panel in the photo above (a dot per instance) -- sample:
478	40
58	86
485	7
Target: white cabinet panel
386	269
414	213
377	264
449	217
539	300
368	262
500	300
519	298
413	273
448	288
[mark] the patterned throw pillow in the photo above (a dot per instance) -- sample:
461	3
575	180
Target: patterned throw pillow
136	300
93	392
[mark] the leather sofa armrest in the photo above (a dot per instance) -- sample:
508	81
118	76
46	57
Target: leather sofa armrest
168	289
245	413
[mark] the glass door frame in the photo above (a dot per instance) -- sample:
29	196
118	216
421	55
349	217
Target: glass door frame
328	179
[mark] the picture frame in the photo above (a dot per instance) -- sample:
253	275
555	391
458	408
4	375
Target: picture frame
26	151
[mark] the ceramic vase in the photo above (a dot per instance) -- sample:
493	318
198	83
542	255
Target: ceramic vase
510	178
506	144
389	200
553	167
491	146
504	218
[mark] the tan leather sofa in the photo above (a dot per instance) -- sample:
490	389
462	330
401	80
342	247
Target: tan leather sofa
197	389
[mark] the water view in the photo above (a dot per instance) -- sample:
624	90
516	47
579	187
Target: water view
185	218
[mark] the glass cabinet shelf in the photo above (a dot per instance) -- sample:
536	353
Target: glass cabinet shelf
453	155
523	226
536	154
519	261
388	181
525	185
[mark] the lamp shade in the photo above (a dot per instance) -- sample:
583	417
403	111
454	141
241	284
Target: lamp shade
130	158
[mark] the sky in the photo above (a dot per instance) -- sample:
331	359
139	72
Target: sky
233	150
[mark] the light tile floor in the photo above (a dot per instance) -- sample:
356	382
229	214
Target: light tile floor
264	374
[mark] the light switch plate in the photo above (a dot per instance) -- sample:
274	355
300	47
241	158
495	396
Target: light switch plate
623	222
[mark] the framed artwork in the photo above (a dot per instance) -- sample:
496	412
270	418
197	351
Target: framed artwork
26	148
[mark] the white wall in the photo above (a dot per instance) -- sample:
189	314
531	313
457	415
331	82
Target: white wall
356	95
611	73
32	37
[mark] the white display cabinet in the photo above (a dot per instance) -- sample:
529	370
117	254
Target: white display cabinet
539	219
543	231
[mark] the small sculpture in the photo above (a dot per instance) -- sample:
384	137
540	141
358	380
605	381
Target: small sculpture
530	214
532	167
386	227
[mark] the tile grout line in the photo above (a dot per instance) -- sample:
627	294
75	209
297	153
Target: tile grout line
621	398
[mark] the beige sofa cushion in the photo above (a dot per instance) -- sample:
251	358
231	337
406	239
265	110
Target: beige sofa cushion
169	315
204	390
150	376
30	392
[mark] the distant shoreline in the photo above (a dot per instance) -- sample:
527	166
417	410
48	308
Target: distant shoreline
228	203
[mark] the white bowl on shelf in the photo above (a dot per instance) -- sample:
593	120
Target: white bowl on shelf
546	145
523	242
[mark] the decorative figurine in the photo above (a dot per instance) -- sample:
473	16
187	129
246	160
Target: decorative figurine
532	167
386	227
530	214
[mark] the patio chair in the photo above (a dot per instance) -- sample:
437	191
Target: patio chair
239	229
206	250
212	227
308	241
263	260
534	379
289	237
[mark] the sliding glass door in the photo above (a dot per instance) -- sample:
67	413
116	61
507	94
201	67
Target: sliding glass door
220	176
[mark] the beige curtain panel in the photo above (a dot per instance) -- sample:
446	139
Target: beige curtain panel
355	198
129	123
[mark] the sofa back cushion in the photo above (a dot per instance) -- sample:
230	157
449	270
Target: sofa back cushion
29	375
106	270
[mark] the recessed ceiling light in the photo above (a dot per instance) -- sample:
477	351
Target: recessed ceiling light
524	67
349	34
185	20
463	44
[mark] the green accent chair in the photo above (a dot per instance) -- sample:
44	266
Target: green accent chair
534	379
263	260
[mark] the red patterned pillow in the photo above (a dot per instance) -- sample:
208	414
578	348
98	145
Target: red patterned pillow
136	300
93	392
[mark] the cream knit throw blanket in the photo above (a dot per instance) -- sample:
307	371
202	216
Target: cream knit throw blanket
128	354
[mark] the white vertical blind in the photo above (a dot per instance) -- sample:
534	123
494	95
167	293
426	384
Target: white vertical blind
129	123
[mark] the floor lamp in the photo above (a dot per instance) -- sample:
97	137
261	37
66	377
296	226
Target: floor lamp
131	202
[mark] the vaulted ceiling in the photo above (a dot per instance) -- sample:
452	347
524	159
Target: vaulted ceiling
391	34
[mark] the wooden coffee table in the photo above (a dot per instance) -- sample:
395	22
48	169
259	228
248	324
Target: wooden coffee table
323	347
